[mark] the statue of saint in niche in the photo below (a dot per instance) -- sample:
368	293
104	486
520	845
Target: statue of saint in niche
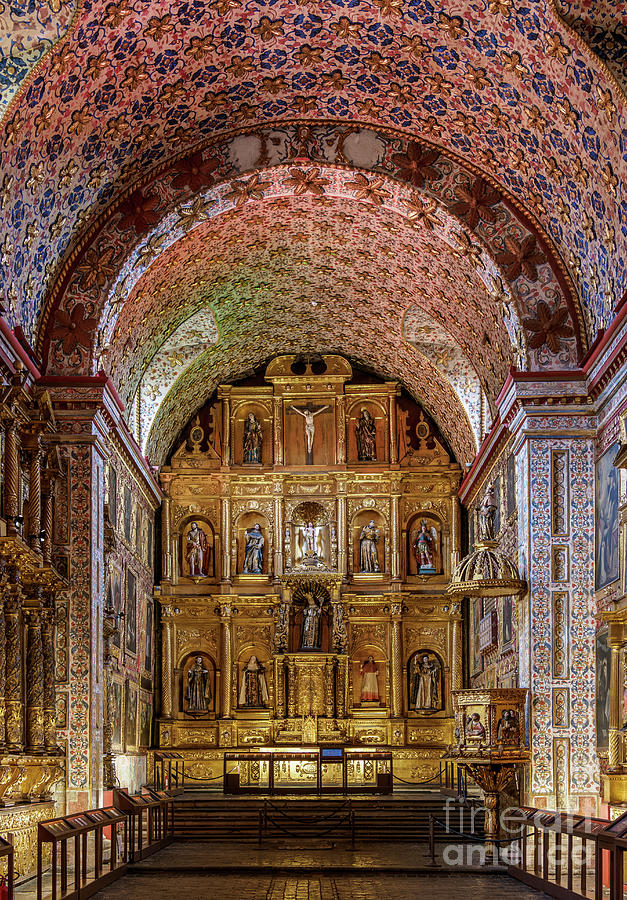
366	431
253	558
253	439
254	690
198	694
487	515
368	540
310	634
308	413
425	683
369	680
424	549
197	551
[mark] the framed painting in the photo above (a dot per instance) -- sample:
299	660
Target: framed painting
128	513
148	648
116	715
603	658
476	614
130	624
114	600
130	721
507	621
510	486
145	720
606	519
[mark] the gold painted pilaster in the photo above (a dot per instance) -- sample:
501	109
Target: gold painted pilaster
34	682
226	431
396	554
277	428
340	427
329	704
226	662
392	423
166	531
396	668
278	534
48	517
168	665
341	533
342	662
226	540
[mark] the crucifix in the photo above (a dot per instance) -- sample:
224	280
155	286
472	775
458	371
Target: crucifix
309	412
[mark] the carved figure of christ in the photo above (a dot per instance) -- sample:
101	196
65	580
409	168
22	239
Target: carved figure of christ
308	413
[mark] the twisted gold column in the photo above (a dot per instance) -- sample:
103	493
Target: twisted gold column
48	520
11	476
456	642
34	682
50	712
34	493
3	662
615	697
13	691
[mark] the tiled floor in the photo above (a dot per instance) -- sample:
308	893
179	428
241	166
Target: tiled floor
319	887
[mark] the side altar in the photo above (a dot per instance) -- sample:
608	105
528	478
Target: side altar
310	527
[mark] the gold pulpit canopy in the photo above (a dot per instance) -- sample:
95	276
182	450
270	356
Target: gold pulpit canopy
486	573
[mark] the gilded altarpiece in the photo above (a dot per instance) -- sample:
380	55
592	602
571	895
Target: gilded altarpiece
310	527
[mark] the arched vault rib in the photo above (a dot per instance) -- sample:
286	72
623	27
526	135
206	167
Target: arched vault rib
386	354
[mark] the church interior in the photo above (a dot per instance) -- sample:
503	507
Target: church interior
313	419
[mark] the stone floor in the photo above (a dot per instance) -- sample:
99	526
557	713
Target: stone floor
319	887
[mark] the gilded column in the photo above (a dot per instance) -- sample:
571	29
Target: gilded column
392	422
167	664
166	534
341	530
226	539
34	682
11	476
279	689
13	689
3	672
616	694
226	431
49	695
394	528
48	518
329	703
456	643
277	425
34	493
226	662
397	674
455	534
340	427
291	688
341	686
278	534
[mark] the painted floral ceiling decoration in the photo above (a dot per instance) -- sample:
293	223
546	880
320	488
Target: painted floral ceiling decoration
603	25
135	83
